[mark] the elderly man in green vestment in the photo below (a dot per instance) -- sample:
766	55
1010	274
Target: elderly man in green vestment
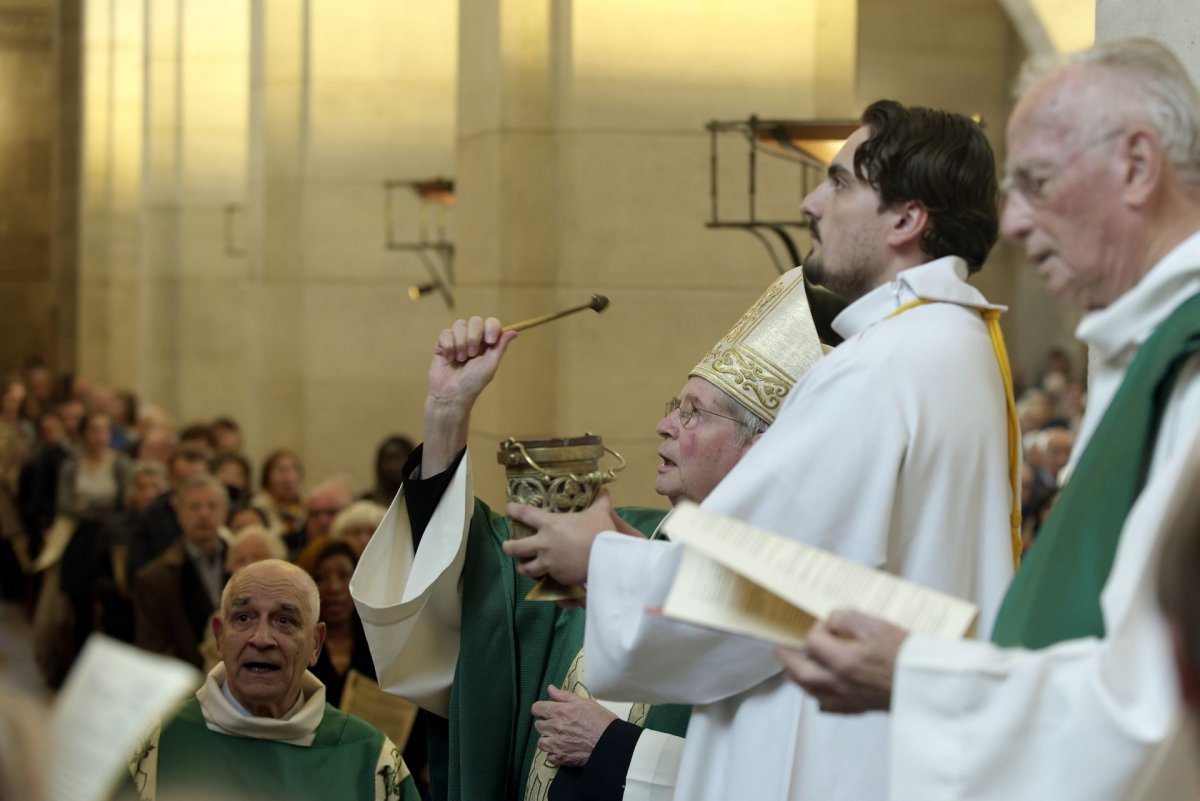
259	727
449	627
1075	698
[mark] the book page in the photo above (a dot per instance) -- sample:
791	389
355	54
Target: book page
707	594
113	696
780	569
391	714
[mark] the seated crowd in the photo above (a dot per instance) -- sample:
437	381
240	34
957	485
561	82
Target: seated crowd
114	520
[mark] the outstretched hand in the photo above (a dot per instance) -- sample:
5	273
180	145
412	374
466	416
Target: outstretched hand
563	542
570	726
847	662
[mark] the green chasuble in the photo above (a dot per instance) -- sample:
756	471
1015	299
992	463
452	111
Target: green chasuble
510	650
196	762
1055	596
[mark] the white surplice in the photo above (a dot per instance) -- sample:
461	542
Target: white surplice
891	451
410	605
1089	719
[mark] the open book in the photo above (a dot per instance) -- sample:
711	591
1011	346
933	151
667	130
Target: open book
738	578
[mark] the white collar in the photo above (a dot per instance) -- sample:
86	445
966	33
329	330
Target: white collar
942	280
1130	319
246	713
223	714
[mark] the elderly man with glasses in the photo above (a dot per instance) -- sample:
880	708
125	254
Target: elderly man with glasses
1075	697
449	627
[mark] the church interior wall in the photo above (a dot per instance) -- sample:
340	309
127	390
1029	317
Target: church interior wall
233	160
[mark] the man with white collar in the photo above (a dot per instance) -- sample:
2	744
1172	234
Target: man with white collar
259	727
893	450
1075	698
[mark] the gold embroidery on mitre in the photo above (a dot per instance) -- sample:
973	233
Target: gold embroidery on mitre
780	324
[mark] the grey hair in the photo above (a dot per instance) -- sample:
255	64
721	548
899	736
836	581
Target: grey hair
1160	92
275	544
303	582
144	468
202	480
748	422
359	513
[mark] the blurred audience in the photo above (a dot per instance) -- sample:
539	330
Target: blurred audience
389	469
324	503
176	593
233	470
279	492
227	435
356	523
158	526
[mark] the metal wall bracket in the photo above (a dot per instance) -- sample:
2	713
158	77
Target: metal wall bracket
788	141
435	198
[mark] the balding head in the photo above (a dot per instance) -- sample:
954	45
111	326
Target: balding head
268	634
286	571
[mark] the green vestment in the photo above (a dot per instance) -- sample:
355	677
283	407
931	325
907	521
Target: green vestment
1055	596
341	763
510	650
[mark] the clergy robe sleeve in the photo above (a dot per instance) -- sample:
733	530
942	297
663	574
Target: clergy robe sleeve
1079	721
629	763
410	603
636	575
423	494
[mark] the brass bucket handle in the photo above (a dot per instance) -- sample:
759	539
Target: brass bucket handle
605	476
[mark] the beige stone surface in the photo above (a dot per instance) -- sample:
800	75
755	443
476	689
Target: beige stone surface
575	134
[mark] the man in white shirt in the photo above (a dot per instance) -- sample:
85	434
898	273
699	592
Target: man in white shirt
891	451
1076	699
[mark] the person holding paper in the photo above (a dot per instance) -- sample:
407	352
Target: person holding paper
259	727
449	628
894	451
1076	696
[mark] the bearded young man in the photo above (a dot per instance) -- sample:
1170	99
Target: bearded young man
893	451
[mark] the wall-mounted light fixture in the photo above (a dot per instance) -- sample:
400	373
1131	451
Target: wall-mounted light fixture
418	291
435	198
809	145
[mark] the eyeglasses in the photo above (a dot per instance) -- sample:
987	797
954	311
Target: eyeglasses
689	412
1031	182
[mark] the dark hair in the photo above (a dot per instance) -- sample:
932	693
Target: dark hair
394	441
227	423
238	508
199	431
269	464
942	161
224	458
130	400
316	552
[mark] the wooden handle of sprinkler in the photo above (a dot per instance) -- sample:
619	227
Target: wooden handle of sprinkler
598	302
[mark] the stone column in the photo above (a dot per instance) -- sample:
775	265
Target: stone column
27	291
583	167
110	322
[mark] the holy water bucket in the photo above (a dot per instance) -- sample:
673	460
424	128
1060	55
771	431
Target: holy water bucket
559	476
